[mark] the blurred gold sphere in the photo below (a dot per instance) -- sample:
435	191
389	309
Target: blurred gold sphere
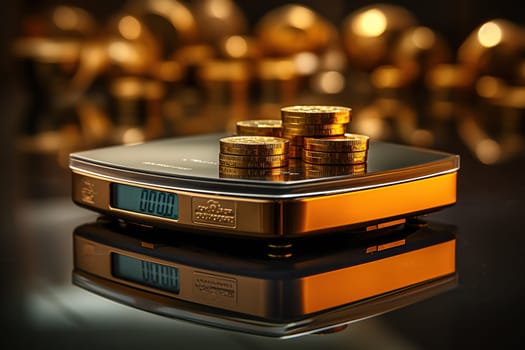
239	47
418	50
171	22
495	48
130	46
71	21
218	19
449	77
292	29
55	36
370	33
130	56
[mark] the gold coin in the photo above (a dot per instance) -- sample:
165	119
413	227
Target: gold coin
325	158
316	170
263	162
316	119
345	143
252	173
316	114
301	120
314	129
254	145
264	127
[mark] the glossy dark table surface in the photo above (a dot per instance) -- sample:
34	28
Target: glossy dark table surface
42	309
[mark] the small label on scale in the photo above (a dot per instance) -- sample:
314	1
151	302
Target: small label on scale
87	191
213	212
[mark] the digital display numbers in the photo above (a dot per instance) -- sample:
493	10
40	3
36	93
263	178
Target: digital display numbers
145	201
147	273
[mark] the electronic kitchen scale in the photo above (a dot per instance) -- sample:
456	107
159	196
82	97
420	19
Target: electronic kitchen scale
176	184
326	284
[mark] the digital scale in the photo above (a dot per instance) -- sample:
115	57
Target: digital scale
175	184
325	285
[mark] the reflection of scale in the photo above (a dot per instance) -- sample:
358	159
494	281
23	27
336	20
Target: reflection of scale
175	184
326	284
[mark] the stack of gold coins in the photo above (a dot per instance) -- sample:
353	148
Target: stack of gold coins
264	127
299	122
347	150
252	156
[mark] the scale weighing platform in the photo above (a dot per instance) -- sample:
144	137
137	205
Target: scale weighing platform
175	184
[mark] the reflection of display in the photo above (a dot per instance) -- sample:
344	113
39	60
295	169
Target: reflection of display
229	283
144	272
142	200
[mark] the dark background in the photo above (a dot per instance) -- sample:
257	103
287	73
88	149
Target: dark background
454	19
485	310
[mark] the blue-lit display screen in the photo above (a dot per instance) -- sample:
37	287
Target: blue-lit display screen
145	272
145	201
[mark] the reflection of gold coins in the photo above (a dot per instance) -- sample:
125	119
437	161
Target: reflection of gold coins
239	161
253	145
269	127
316	171
274	178
323	158
295	151
252	173
295	140
295	165
346	143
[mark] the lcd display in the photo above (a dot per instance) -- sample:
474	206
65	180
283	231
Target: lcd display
145	272
145	201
